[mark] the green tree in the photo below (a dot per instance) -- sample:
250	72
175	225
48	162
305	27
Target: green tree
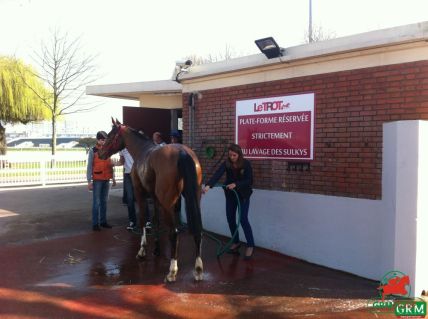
87	143
19	103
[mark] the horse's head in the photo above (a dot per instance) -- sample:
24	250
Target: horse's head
114	142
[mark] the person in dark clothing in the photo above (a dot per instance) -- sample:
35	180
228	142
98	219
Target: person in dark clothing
157	139
239	176
127	161
175	137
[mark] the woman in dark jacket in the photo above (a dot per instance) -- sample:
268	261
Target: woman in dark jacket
239	176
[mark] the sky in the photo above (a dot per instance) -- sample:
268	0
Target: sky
140	40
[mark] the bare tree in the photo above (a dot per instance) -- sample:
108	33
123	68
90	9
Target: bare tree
193	59
67	71
228	54
318	34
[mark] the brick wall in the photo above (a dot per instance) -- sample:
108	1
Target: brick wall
350	108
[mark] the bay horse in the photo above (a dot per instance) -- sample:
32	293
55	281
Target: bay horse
162	173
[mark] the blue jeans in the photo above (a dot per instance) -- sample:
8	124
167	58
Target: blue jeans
129	193
231	207
99	202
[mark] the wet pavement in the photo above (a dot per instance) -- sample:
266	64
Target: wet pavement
54	266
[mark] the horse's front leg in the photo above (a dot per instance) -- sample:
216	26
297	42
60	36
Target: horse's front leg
173	267
142	206
199	267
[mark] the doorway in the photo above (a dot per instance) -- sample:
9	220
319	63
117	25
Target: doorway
151	120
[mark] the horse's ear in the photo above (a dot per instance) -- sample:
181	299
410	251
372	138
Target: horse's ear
117	122
112	120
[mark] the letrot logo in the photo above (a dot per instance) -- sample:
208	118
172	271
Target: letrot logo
394	297
271	106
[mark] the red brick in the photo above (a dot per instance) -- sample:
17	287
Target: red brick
351	107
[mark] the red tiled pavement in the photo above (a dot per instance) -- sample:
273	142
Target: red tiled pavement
89	274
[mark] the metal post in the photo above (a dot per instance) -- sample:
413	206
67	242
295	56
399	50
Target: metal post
43	171
310	22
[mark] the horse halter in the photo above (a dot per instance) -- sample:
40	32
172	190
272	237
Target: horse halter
115	143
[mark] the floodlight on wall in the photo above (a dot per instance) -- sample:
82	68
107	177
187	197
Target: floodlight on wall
269	47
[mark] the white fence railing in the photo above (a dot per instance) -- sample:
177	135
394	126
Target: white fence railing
40	168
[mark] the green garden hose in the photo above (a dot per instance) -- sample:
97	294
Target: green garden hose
221	249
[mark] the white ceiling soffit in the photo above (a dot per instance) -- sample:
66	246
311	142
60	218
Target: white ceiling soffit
133	91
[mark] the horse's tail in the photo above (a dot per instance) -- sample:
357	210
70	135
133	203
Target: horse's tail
187	170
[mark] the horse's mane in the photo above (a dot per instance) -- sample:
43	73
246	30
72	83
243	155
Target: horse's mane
140	134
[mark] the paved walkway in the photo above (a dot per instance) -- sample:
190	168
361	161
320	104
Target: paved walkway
54	266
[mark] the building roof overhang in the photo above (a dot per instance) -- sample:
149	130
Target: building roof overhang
364	41
133	91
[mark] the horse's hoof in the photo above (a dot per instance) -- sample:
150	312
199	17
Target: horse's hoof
139	257
199	276
170	278
198	270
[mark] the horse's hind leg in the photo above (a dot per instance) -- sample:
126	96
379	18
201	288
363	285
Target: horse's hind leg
142	252
174	241
199	268
173	267
156	228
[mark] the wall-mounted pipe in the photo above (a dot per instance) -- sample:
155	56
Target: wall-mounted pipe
191	103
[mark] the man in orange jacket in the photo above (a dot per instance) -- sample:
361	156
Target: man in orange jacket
98	173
